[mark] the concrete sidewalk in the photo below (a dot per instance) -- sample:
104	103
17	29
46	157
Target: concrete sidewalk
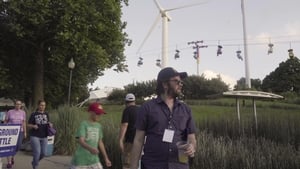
23	161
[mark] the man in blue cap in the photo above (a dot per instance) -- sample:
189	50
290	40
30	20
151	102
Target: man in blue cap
164	121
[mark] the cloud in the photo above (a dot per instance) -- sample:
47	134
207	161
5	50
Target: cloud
289	32
209	74
292	28
263	37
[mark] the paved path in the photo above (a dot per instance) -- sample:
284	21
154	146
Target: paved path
23	161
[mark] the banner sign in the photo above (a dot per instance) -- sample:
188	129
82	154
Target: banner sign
9	134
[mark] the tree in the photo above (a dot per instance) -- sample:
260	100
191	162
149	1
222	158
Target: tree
117	95
285	78
194	87
40	37
241	84
139	89
142	89
198	87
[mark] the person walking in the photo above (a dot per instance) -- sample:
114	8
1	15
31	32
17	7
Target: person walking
38	123
127	129
165	121
89	135
16	116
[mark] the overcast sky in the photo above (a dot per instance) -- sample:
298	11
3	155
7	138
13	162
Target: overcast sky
215	22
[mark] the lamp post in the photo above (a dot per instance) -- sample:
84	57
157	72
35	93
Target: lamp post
71	66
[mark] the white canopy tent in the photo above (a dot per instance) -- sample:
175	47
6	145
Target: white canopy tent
6	102
97	94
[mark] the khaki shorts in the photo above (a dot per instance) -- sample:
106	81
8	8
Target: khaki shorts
126	155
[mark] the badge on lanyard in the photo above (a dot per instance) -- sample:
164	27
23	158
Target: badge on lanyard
168	135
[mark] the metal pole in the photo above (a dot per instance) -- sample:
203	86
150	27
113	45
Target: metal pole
238	113
255	115
198	59
247	74
70	82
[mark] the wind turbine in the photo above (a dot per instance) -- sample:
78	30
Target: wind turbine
247	74
163	13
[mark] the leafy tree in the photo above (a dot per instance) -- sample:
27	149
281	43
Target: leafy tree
4	77
195	87
38	38
285	78
198	87
255	84
142	89
117	95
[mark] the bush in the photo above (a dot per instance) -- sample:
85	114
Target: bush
66	120
111	141
117	96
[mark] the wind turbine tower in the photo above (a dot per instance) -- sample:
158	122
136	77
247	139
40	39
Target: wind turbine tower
163	13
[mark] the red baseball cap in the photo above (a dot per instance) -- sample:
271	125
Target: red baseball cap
96	108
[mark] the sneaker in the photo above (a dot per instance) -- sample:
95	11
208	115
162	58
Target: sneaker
8	166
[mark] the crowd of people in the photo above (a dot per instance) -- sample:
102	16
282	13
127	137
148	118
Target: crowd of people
149	134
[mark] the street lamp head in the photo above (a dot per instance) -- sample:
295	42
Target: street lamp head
71	64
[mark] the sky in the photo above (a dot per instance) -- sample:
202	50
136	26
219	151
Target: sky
216	22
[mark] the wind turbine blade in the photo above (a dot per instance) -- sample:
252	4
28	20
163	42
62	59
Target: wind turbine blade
158	6
186	6
148	34
162	11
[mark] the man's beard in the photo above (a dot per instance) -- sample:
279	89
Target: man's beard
173	93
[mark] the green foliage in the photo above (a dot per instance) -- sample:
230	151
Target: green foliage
195	87
139	89
228	146
142	89
38	38
285	78
243	152
66	120
111	127
4	78
241	84
117	95
198	87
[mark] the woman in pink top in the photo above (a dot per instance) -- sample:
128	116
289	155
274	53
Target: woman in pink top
16	116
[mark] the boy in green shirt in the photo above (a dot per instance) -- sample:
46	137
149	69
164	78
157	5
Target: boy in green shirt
90	136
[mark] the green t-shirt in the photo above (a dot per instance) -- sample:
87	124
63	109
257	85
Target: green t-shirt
92	132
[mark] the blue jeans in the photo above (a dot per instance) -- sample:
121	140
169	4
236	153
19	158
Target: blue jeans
20	140
39	148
